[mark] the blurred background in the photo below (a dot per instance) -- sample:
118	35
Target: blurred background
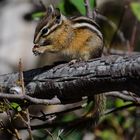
119	22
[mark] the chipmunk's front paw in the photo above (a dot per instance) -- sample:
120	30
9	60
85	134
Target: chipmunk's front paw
36	51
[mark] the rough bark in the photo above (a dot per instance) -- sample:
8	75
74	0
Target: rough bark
71	82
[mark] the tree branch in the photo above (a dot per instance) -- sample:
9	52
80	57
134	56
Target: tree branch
68	83
121	95
31	100
88	9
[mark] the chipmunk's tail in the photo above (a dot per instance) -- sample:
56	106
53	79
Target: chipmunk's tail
89	120
96	109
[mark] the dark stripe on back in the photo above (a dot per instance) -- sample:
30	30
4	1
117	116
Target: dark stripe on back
92	31
85	20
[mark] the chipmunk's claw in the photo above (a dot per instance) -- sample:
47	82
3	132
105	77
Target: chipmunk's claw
36	53
73	61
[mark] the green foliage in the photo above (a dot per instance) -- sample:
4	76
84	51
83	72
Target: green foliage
69	6
69	117
75	135
38	15
108	135
119	103
128	123
80	6
135	6
15	106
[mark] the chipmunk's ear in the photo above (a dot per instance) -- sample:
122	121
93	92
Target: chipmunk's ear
54	13
58	16
57	12
50	10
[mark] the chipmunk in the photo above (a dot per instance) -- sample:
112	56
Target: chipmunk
76	38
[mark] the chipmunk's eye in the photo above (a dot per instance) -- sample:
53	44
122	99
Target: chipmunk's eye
44	31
